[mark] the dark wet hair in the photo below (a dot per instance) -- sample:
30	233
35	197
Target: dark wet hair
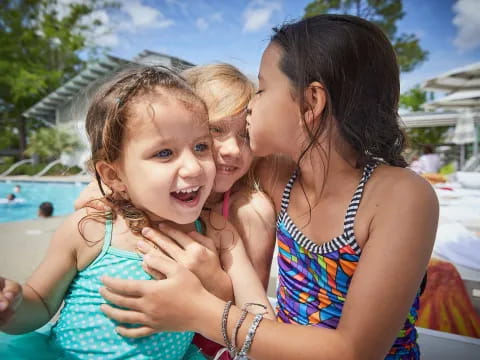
428	149
46	208
357	67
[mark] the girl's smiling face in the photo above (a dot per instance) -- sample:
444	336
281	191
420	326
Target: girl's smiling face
166	166
233	156
274	124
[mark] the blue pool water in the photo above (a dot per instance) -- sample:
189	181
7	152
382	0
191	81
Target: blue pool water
32	194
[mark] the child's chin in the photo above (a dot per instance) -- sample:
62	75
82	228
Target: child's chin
187	219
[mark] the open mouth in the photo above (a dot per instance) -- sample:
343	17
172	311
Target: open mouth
226	169
188	196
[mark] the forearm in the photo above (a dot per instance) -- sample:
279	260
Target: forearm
31	314
222	287
307	342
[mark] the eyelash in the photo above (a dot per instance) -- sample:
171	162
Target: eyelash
216	130
205	147
158	154
258	92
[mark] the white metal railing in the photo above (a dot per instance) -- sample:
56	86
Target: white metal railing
14	166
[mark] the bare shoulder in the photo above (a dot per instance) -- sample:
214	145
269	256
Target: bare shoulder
398	195
273	173
399	185
251	208
82	234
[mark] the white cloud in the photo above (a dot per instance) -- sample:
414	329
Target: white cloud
143	16
258	14
201	24
467	20
132	16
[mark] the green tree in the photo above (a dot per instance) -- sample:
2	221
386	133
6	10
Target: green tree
49	143
413	100
384	13
433	135
41	42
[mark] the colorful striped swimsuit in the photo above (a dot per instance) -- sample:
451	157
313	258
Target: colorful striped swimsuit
313	279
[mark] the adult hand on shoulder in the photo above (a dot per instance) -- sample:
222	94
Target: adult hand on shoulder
159	305
11	296
92	197
195	251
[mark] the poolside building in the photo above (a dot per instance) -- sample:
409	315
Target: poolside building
459	108
67	105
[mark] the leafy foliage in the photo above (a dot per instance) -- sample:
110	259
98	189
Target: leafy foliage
41	45
49	143
384	13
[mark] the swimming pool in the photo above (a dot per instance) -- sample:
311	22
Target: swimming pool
32	194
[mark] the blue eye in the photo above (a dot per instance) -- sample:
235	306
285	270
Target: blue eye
164	153
201	147
215	130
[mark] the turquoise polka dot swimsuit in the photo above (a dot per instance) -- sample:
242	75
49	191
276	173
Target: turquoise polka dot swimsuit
84	332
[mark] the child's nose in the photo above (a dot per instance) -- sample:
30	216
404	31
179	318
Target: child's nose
229	147
190	167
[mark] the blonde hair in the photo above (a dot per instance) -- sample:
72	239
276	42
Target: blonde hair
223	88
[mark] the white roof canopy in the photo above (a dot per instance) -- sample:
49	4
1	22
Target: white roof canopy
458	99
427	119
67	91
464	78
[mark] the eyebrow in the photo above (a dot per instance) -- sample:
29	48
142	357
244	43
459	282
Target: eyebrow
168	140
220	123
207	136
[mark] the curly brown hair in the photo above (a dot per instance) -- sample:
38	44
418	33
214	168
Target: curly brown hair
106	121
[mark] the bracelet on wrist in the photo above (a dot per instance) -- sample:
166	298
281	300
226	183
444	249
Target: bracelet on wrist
242	354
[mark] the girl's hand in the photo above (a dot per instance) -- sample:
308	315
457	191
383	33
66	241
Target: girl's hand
159	305
91	196
196	252
11	296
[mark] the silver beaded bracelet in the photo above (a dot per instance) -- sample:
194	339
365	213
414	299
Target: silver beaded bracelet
233	348
242	354
226	310
245	308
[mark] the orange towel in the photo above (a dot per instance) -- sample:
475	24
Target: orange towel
445	305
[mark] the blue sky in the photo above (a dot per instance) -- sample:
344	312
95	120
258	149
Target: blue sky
237	31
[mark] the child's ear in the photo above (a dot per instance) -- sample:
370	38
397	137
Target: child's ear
315	100
110	176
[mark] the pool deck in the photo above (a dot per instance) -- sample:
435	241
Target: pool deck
23	245
65	179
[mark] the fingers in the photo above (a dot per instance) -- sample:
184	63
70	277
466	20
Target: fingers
120	300
136	332
123	316
203	240
132	288
154	273
161	263
179	236
167	245
10	294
